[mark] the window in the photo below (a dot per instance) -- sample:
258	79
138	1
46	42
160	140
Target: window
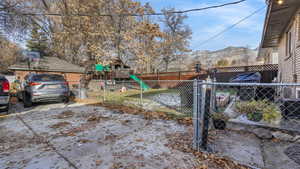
298	93
47	77
287	92
288	48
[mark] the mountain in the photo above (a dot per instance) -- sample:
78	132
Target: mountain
234	56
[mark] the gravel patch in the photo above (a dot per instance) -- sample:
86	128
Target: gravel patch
168	99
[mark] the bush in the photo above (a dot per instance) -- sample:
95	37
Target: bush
271	113
251	106
259	110
255	116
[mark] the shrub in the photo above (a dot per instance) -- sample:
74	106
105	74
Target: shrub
251	106
271	113
259	110
255	116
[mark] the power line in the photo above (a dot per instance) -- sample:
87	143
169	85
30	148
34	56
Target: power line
129	14
230	27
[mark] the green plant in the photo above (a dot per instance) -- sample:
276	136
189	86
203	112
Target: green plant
255	116
259	110
271	113
251	106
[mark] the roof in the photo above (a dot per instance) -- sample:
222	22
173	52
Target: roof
49	64
277	19
118	62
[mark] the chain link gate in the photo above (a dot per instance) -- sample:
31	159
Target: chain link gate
275	106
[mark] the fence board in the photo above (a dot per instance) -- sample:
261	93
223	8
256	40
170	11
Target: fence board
224	74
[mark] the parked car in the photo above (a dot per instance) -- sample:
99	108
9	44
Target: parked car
43	88
4	93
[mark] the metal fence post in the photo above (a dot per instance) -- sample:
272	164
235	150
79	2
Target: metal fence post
205	115
213	97
201	110
196	114
104	91
203	100
79	90
141	95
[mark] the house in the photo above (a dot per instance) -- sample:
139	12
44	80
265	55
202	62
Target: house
282	36
268	56
52	65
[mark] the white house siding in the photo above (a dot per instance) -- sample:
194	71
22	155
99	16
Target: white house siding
290	65
297	46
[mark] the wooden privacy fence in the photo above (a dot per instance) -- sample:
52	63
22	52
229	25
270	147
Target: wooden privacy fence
223	74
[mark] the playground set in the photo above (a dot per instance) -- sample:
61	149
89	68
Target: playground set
120	72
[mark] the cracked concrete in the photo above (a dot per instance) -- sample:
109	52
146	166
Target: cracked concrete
112	140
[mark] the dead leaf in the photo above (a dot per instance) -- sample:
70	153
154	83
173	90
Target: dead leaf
65	114
139	140
98	162
60	125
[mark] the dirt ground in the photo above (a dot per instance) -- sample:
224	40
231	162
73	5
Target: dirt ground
81	136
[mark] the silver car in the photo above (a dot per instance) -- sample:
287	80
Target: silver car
44	88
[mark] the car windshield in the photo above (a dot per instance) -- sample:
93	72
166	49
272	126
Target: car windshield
47	78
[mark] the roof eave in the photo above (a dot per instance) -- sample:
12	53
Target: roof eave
266	24
274	18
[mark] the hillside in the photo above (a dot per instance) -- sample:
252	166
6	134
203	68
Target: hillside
235	56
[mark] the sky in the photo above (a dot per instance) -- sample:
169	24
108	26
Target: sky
205	24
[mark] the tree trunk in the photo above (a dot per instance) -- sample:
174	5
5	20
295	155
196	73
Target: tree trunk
167	66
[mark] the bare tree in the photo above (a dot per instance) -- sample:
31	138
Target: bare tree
11	19
175	42
10	52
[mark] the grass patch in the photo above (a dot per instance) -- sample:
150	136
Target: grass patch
131	98
153	92
149	115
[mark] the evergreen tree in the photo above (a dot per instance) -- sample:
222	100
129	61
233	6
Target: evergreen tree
37	41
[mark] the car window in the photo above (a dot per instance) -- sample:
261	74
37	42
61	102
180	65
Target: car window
46	77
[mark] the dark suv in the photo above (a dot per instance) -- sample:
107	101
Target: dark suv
44	88
4	93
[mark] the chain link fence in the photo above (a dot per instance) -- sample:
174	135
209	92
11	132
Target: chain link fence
237	120
244	107
175	97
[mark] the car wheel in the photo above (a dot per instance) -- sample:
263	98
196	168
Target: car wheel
27	100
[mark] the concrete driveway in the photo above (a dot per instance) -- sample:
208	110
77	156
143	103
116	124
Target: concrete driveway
88	137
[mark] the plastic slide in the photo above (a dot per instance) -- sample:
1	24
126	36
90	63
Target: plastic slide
142	84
